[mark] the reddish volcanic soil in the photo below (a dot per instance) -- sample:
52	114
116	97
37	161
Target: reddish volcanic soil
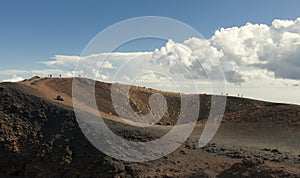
40	136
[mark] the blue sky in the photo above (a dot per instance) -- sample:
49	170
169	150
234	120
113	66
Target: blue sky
32	31
261	61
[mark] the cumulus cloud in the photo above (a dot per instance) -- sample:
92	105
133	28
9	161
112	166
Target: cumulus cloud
194	57
246	53
275	48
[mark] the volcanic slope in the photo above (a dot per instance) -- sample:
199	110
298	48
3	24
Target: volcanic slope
40	137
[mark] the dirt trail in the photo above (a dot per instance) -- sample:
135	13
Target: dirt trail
44	88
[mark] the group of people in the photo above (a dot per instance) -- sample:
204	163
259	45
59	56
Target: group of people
50	76
239	95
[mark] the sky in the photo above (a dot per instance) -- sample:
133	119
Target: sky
259	53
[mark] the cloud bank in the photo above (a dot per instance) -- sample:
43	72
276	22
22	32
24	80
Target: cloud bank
252	56
249	52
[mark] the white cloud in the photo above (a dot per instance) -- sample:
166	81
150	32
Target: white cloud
282	23
275	48
151	77
14	78
104	64
62	61
250	53
8	74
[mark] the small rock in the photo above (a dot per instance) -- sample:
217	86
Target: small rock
183	152
69	150
275	160
275	151
187	146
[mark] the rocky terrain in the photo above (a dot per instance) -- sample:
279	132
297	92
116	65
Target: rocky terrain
40	136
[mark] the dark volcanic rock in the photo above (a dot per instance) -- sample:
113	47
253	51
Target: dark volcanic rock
37	140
